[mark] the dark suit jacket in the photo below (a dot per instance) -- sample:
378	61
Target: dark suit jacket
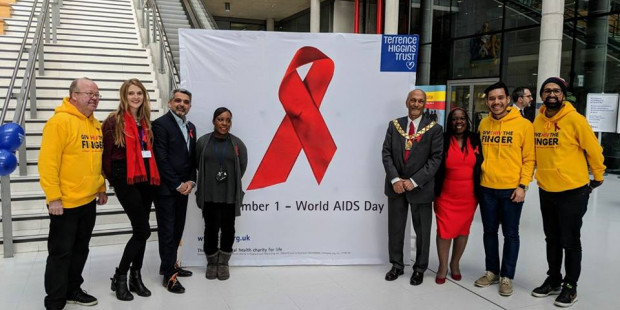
474	139
530	112
424	160
174	161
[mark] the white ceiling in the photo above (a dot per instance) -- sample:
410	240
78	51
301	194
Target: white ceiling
257	9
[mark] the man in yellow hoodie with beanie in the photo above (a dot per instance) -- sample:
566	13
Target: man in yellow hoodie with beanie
565	147
508	150
71	178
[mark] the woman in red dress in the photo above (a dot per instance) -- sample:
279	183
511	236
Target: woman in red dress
456	187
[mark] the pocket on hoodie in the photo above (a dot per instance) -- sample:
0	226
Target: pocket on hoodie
550	176
88	186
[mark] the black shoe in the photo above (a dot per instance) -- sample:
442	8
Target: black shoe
80	297
567	297
417	278
547	288
119	285
173	285
136	284
182	272
393	274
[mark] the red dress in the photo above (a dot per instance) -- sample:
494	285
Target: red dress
455	206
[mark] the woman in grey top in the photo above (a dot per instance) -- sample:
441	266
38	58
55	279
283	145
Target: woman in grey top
221	159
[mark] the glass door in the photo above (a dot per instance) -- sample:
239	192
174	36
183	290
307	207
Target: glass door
469	95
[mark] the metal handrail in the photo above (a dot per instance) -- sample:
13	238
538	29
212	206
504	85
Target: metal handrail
27	92
193	19
203	9
9	94
165	50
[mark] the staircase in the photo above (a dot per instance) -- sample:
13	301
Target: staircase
174	17
98	39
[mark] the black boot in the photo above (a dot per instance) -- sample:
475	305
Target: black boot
136	284
119	285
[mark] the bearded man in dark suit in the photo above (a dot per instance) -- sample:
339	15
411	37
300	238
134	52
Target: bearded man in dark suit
174	147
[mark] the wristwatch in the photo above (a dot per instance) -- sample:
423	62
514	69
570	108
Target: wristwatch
524	187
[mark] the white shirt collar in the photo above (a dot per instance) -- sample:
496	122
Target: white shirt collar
416	123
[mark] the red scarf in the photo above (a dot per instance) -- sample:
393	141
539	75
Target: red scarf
135	164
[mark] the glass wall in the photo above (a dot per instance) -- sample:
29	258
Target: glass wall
593	63
300	22
476	39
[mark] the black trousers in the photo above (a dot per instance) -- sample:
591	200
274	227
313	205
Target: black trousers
422	218
562	214
136	200
218	217
67	245
171	211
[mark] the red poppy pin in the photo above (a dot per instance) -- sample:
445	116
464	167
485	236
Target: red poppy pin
191	133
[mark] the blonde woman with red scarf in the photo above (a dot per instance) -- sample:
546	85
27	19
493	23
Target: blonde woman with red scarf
130	167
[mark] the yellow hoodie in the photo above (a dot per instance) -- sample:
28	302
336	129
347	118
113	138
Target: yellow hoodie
508	150
70	157
560	145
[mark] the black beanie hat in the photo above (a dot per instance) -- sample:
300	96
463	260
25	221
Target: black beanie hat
556	80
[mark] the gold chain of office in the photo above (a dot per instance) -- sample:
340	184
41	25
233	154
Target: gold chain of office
417	134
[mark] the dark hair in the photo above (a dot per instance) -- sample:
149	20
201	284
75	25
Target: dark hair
518	93
219	111
497	85
450	131
182	91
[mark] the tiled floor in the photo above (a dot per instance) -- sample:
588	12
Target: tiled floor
352	287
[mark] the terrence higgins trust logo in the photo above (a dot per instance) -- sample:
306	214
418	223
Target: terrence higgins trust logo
303	126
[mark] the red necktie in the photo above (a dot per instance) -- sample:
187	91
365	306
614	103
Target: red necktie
411	132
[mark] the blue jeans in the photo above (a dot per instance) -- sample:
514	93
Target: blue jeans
497	208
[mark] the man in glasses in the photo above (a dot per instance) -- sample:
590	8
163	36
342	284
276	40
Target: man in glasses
71	178
174	145
522	99
565	147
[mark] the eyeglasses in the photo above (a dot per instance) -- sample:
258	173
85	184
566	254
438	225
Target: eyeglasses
179	100
549	91
90	95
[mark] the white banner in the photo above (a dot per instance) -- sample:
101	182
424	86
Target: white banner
336	214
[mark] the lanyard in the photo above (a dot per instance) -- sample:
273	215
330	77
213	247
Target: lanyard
142	138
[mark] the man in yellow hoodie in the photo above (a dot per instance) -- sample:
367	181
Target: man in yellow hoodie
565	146
508	150
70	176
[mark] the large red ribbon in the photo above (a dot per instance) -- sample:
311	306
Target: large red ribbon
303	125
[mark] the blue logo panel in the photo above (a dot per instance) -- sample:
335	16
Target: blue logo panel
399	53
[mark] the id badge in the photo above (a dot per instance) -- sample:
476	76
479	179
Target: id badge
146	154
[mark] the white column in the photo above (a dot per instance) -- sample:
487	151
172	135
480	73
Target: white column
551	29
270	24
343	16
391	17
315	15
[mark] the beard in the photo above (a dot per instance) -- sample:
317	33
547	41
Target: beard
554	105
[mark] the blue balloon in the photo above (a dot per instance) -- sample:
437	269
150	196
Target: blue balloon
11	136
8	162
